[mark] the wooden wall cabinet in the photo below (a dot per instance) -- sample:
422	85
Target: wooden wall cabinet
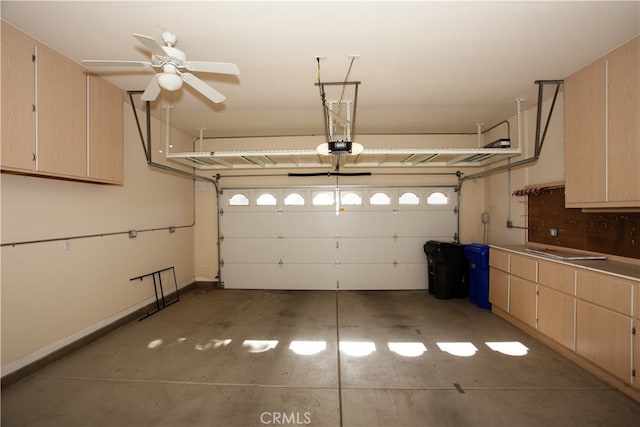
602	131
18	100
61	115
105	127
57	121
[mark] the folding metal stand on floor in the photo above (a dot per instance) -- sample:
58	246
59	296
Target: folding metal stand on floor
157	284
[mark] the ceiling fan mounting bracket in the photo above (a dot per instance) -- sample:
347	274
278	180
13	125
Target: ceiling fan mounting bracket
169	39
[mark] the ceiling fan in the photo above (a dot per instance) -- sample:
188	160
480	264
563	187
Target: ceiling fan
173	62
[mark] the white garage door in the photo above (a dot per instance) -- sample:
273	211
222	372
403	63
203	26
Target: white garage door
325	238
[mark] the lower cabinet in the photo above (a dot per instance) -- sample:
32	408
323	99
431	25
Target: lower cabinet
522	300
499	289
556	316
595	315
636	350
603	337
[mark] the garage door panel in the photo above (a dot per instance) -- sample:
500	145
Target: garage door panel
383	276
366	250
366	224
250	250
274	276
410	250
308	223
308	250
310	276
251	276
425	223
249	224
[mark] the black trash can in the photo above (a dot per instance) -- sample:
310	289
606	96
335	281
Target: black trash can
447	269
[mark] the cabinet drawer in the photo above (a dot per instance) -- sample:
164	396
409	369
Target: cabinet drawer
636	310
604	337
522	300
525	267
499	288
499	259
605	290
557	276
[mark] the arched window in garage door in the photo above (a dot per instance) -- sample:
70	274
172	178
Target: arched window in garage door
380	199
294	199
323	198
266	199
437	198
239	199
351	198
409	198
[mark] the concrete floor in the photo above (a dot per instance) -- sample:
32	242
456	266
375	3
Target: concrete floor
192	364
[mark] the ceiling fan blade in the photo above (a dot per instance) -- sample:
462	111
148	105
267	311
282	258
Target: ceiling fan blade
203	88
151	44
212	67
152	91
107	62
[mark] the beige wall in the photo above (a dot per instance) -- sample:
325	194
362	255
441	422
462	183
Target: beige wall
547	170
52	296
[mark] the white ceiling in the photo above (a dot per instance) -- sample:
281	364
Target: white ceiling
427	67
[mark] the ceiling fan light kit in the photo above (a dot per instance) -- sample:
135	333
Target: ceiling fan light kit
172	61
169	81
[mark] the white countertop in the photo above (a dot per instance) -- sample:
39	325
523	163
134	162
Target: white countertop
616	268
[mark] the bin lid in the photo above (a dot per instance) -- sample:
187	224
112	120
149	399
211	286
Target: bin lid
476	249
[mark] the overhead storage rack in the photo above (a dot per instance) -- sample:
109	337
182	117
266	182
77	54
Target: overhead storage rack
369	157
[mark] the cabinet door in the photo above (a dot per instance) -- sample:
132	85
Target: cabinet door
556	316
585	126
604	337
636	338
522	300
623	146
61	115
499	288
105	142
18	98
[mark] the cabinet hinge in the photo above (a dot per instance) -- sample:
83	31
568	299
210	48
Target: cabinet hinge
633	330
33	57
633	372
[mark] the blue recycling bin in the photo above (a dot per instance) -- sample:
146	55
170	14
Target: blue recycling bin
477	256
